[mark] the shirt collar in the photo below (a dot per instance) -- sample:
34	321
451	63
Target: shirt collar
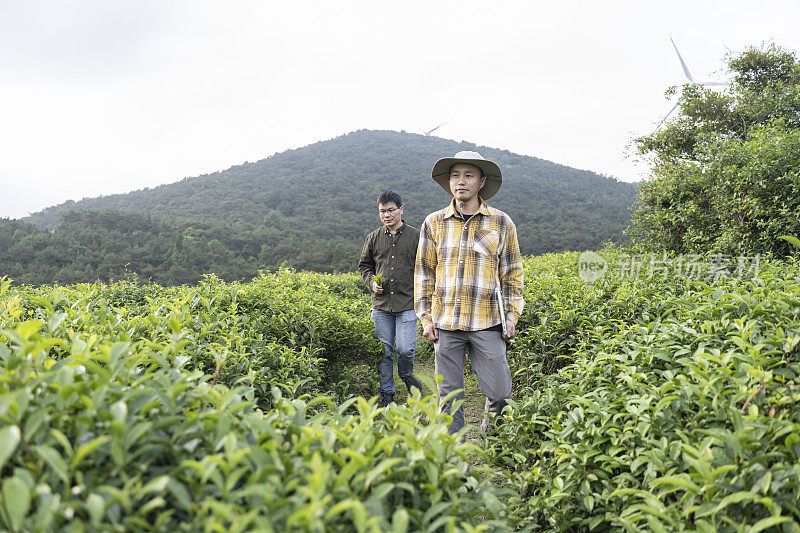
399	230
451	210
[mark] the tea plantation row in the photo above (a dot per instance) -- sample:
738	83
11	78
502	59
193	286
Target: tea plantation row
677	407
142	408
665	402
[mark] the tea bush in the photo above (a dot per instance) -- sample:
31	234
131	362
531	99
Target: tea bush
664	402
104	431
296	331
677	408
562	311
325	312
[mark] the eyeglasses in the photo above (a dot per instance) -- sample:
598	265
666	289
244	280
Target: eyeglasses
389	211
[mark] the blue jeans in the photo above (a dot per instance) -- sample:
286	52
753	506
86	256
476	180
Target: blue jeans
397	332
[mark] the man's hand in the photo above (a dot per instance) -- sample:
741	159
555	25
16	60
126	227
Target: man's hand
510	328
377	289
430	332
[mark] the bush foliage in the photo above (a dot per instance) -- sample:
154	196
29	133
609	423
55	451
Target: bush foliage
726	170
675	406
128	408
662	396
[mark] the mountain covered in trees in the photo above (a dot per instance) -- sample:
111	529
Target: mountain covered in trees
308	208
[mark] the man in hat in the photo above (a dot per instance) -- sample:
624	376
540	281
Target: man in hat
468	282
390	251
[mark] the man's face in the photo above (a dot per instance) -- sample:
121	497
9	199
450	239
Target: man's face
465	181
391	215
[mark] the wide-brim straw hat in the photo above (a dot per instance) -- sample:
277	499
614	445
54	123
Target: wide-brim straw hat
494	178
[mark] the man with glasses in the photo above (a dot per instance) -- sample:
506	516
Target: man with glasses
389	254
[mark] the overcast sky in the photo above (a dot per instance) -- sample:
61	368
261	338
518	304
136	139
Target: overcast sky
103	96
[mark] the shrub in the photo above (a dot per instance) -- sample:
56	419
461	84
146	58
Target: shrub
676	412
121	436
294	331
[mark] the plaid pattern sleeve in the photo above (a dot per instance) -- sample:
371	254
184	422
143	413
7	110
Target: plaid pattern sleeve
425	272
510	272
459	263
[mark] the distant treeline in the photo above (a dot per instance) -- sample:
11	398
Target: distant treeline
307	209
91	245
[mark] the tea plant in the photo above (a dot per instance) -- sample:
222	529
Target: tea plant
295	331
677	410
663	402
100	431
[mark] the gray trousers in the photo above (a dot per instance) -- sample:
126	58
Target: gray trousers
487	354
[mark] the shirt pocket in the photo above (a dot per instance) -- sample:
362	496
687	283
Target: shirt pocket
486	242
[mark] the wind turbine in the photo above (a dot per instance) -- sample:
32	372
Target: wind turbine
689	77
428	133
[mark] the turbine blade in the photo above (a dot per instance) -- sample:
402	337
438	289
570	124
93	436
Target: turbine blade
667	115
437	127
685	68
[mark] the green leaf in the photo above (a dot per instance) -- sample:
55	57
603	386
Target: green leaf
382	467
655	524
341	507
34	423
116	355
400	520
95	507
55	320
678	482
150	505
29	328
9	439
794	241
382	490
156	485
763	483
765	523
792	443
119	410
88	448
54	461
736	497
588	502
181	494
16	501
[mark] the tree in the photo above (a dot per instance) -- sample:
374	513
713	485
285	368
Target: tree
725	174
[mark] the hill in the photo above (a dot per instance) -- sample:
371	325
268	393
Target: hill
308	208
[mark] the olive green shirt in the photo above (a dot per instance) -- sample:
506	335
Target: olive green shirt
393	257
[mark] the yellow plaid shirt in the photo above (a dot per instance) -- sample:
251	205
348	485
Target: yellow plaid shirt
459	266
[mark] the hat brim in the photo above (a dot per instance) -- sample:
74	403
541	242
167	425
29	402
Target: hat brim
494	178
